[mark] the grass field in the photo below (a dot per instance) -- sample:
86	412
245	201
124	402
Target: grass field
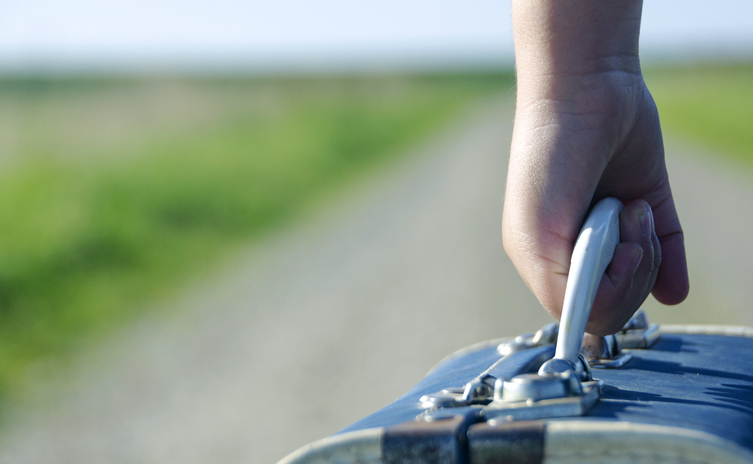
114	192
711	105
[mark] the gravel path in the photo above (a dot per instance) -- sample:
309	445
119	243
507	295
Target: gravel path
714	198
333	318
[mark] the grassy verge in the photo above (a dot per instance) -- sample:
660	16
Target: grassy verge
108	199
712	105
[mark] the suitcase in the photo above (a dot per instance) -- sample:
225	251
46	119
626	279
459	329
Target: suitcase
648	394
657	394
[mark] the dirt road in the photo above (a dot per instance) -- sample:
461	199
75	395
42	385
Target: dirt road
337	316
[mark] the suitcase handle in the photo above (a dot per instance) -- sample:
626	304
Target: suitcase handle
592	253
563	385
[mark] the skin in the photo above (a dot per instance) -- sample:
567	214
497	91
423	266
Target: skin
586	127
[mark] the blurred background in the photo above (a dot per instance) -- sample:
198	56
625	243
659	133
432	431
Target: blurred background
230	228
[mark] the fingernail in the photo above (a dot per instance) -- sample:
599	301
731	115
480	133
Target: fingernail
645	220
637	256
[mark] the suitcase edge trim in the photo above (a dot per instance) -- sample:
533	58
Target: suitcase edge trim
565	442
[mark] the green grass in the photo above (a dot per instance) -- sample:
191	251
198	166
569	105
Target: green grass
109	199
711	105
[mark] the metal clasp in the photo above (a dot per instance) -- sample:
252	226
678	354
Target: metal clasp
546	335
478	391
540	396
637	333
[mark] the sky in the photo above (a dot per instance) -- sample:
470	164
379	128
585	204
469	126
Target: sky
321	35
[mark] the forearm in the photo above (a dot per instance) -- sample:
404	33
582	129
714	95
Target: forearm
560	41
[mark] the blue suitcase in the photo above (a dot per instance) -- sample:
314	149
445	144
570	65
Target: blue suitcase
656	394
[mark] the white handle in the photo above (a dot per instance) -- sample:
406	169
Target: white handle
592	253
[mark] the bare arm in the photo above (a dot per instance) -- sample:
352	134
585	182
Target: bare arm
586	127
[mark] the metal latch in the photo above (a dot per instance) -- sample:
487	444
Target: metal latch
547	335
637	333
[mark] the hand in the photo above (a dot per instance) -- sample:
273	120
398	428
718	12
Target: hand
587	128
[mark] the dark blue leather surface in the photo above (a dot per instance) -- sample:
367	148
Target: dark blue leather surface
702	382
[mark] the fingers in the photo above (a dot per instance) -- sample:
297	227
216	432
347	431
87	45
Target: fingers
672	283
632	272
